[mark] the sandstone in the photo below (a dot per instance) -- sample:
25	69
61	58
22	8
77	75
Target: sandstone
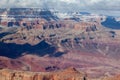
68	74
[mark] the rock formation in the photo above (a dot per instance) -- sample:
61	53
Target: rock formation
68	74
49	44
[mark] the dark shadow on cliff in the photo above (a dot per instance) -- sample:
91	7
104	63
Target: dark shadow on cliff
110	22
13	50
4	34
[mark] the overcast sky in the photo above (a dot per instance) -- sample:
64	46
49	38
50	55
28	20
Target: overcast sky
100	6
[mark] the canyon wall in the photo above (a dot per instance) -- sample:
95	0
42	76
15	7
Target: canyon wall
68	74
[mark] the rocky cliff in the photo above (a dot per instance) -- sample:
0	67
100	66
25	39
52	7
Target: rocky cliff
68	74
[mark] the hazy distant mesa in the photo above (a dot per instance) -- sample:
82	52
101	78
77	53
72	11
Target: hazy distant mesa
96	6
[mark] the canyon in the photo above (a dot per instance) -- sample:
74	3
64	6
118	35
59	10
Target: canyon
44	48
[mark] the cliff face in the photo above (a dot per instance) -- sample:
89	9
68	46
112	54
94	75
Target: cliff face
68	74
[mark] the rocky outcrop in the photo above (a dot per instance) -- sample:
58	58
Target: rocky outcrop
68	74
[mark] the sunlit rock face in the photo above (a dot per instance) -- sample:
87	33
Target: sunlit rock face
68	74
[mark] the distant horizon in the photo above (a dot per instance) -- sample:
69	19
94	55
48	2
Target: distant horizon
105	7
114	13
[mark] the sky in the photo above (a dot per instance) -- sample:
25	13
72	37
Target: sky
111	7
